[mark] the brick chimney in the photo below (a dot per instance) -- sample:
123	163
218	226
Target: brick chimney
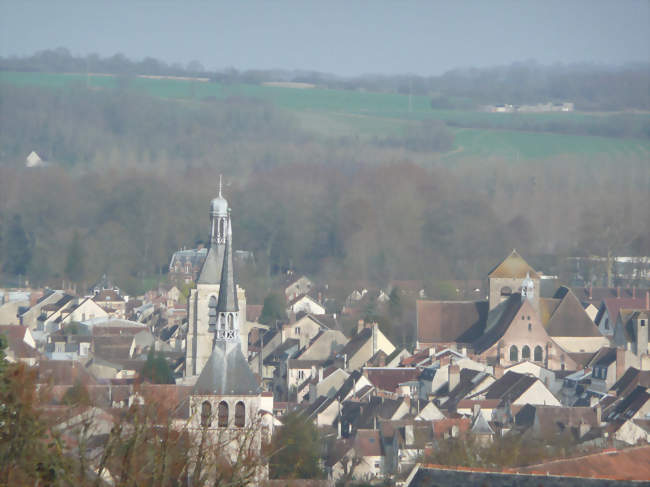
620	362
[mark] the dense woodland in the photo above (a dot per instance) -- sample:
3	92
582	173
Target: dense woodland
132	176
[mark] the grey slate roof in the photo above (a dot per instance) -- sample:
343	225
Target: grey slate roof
227	290
498	321
211	269
226	373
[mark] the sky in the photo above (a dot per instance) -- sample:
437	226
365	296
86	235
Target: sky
343	37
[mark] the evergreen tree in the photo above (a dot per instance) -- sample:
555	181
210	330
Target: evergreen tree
296	447
18	251
74	263
273	309
395	303
156	369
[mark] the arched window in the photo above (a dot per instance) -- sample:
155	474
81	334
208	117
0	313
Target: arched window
223	414
206	414
221	224
538	353
240	414
230	319
514	354
506	291
530	326
525	352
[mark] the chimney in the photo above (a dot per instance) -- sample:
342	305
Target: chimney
360	326
375	327
620	362
409	437
591	288
320	297
454	376
599	414
320	374
476	410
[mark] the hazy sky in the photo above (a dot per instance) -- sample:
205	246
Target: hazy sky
344	37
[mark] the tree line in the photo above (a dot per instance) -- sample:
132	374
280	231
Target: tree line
591	87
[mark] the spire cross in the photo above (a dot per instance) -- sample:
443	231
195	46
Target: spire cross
219	185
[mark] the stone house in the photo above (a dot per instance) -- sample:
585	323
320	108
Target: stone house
363	346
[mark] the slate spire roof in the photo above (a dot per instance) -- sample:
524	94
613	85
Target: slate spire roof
227	291
226	373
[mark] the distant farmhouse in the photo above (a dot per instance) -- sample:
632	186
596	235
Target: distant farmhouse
539	108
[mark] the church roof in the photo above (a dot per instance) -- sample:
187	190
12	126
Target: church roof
211	269
226	373
513	266
497	323
569	319
450	321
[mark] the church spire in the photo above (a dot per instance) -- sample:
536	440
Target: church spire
227	306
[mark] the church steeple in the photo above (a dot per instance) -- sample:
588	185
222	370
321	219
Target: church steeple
227	306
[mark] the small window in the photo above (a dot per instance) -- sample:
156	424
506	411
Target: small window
240	414
528	318
530	326
301	374
642	322
606	323
296	331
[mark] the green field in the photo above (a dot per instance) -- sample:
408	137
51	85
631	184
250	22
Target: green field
338	113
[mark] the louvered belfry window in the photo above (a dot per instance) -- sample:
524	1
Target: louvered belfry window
223	414
240	414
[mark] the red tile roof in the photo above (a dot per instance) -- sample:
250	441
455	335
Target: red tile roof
629	464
